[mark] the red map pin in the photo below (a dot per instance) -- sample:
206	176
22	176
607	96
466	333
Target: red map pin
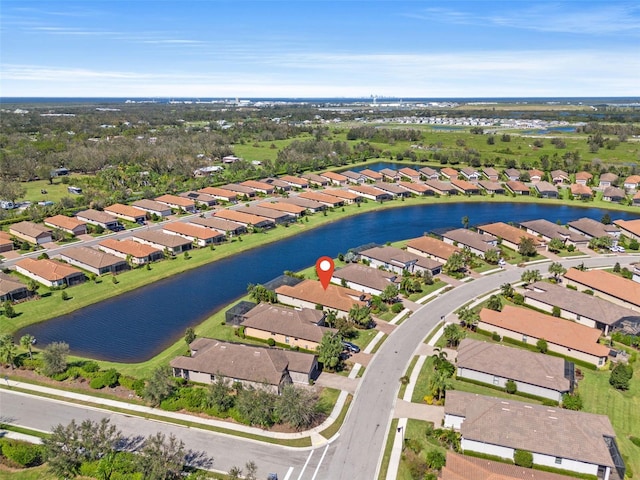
324	269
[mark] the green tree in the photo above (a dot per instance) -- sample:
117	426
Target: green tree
465	221
257	406
360	316
435	459
439	383
162	458
530	276
329	351
54	358
572	401
261	294
297	407
453	334
189	335
555	245
556	311
390	293
621	376
616	268
468	317
494	303
507	291
8	309
454	264
492	256
527	248
26	341
523	458
634	244
542	346
606	219
159	386
510	387
556	269
8	350
219	394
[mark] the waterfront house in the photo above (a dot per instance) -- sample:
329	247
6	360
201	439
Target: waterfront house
173	244
50	273
371	175
177	202
259	187
152	207
372	193
629	228
245	219
511	236
397	260
547	231
335	178
441	188
98	218
31	232
470	174
11	289
345	195
354	177
311	205
607	180
201	236
134	252
392	189
478	243
278	217
365	279
546	190
328	200
581	191
220	194
126	212
428	173
606	285
490	187
6	244
465	187
409	174
389	175
491	174
432	248
316	180
71	225
416	188
226	227
284	207
518	188
593	229
449	173
613	194
94	261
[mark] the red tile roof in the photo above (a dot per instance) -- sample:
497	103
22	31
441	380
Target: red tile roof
609	283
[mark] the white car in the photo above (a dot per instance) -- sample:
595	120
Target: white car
621	249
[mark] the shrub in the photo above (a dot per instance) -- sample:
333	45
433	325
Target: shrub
97	383
572	402
271	342
23	453
635	440
31	364
588	292
90	367
397	307
65	295
134	384
511	387
542	345
621	376
523	458
518	299
495	337
556	311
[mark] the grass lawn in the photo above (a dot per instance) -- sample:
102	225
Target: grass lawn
416	431
36	473
566	253
427	289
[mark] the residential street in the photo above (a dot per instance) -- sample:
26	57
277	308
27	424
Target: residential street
355	453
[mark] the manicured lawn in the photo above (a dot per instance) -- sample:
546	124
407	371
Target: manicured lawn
36	473
416	431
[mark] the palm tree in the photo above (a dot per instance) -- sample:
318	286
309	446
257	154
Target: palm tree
7	349
465	221
26	341
439	383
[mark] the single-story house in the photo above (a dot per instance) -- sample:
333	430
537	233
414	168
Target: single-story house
289	208
354	177
632	182
94	261
311	205
372	193
636	199
295	182
491	187
432	248
364	279
579	307
6	244
371	175
328	200
174	244
316	180
512	174
441	188
559	176
517	187
565	439
629	228
511	236
607	180
241	190
580	191
398	260
583	178
31	232
416	188
136	253
259	187
126	212
201	236
478	243
310	293
393	189
220	225
301	328
449	173
98	218
465	187
51	273
177	202
200	198
535	175
613	194
460	467
278	184
593	229
491	174
348	197
245	219
389	175
410	174
546	189
536	374
11	289
335	178
249	365
562	336
470	173
220	194
153	207
428	173
606	285
67	224
278	217
547	231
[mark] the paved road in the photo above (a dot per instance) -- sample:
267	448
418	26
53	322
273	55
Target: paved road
355	453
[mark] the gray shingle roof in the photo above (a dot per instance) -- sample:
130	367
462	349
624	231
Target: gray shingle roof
286	321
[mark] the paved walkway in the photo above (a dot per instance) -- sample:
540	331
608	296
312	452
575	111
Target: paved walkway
333	380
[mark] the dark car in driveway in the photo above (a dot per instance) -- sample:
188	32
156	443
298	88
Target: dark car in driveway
351	347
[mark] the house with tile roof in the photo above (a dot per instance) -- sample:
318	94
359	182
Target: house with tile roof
335	178
632	182
636	199
512	174
491	174
284	207
565	439
410	174
609	286
470	173
465	187
607	180
629	228
277	183
220	194
328	200
303	328
365	279
295	182
449	173
491	187
562	336
534	373
354	177
397	260
348	197
371	175
312	205
517	187
11	289
613	194
71	225
478	243
249	365
154	208
200	235
6	244
98	218
134	252
580	307
416	188
259	187
177	202
316	180
126	212
511	236
393	189
591	228
389	175
535	175
202	199
546	189
310	293
278	217
174	244
240	190
432	248
245	219
428	173
93	260
559	177
547	231
441	188
370	192
580	191
51	273
226	227
31	232
583	178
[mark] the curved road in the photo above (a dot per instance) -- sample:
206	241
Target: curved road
355	452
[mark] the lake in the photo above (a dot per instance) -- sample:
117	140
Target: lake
137	325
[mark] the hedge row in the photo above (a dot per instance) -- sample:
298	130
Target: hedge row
22	453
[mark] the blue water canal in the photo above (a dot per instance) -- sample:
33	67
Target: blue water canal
135	326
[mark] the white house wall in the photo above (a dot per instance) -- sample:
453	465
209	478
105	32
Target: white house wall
502	381
453	421
487	448
566	464
587	322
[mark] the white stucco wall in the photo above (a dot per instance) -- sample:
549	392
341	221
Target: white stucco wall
565	464
452	421
502	381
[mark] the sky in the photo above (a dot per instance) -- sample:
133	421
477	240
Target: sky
307	48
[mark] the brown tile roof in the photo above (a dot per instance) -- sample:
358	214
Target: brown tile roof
241	217
129	247
450	172
512	172
50	270
283	207
160	238
438	186
415	187
632	179
536	428
491	186
297	181
220	193
513	363
409	172
235	187
276	182
315	178
5	240
258	186
287	321
516	186
305	202
490	172
91	257
631	226
428	171
371	174
97	216
218	224
29	229
335	176
343	194
592	228
396	257
367	276
391	188
553	230
466	237
508	232
581	190
608	177
559	174
176	200
367	190
62	221
433	246
127	210
334	297
461	467
579	303
464	185
268	213
614	192
546	187
608	283
192	230
554	330
322	198
534	172
9	284
583	176
388	172
152	205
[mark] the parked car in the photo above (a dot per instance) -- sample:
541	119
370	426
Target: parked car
351	347
272	476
